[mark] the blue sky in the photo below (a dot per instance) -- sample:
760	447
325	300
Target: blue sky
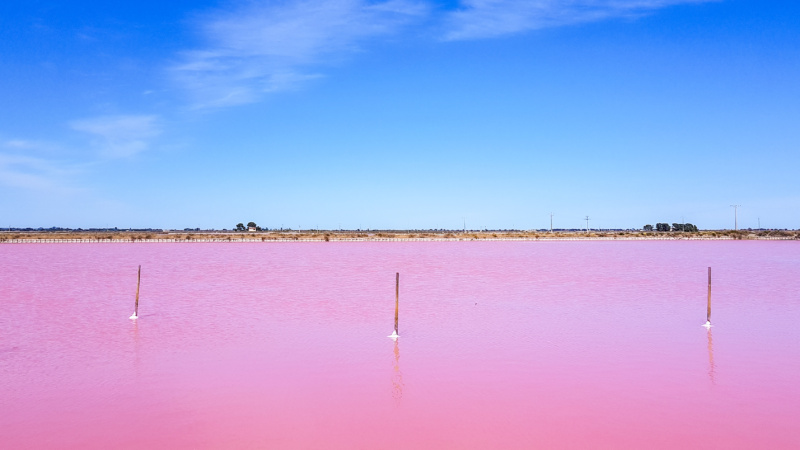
399	113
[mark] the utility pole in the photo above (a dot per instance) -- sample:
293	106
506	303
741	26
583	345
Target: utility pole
736	216
759	223
551	222
587	224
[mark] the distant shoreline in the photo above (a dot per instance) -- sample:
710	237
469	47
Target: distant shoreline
384	236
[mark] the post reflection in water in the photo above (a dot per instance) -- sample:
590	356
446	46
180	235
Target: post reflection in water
397	375
711	368
135	334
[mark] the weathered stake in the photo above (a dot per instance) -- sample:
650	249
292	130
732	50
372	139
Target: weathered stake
708	310
138	282
396	301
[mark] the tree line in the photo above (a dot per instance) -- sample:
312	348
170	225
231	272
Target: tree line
240	226
688	227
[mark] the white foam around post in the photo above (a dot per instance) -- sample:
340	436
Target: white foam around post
394	335
707	324
134	316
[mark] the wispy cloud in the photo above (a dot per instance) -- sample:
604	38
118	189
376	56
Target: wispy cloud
478	19
31	173
46	166
119	136
268	46
21	144
31	147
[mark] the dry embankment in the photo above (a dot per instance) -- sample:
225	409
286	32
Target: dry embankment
283	236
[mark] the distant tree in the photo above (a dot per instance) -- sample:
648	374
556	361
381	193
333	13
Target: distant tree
240	227
662	227
677	227
690	228
648	227
251	225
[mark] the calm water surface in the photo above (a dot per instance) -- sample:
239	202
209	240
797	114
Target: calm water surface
503	345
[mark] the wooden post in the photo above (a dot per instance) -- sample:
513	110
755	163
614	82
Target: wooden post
396	301
138	282
708	310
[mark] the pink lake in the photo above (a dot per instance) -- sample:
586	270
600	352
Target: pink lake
502	345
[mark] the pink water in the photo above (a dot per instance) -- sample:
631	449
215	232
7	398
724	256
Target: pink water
502	345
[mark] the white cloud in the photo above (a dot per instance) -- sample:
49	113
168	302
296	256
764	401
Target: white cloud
268	46
29	172
21	144
119	136
29	146
49	167
479	19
